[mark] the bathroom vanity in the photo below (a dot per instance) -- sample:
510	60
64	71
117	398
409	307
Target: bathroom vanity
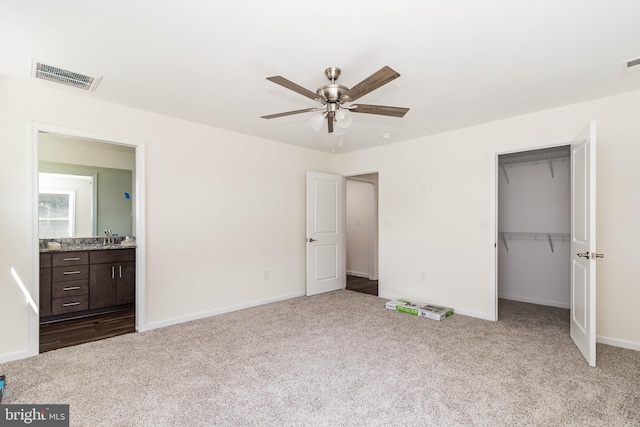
84	279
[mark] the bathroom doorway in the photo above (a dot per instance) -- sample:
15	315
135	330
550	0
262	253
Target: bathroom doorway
66	151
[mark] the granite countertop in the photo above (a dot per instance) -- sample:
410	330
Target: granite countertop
84	244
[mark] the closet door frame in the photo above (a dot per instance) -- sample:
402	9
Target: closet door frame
493	214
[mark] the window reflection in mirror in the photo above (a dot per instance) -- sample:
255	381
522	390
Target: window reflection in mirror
85	186
66	205
55	213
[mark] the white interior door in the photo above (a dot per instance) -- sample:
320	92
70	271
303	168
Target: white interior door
325	235
583	242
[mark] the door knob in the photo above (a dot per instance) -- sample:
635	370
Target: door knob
584	255
311	240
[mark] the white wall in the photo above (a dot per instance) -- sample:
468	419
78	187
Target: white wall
358	226
78	151
221	208
534	201
445	232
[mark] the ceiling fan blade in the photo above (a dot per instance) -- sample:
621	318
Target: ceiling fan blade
379	109
289	113
294	87
330	118
371	83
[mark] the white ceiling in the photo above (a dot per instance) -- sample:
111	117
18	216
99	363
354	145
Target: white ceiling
462	62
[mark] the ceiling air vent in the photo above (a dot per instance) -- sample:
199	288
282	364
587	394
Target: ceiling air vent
65	77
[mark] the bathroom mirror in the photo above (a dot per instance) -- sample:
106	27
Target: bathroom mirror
85	187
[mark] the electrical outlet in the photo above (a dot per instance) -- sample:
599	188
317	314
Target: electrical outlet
424	188
423	276
265	274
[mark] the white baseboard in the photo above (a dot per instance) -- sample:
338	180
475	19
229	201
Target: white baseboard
357	274
534	301
16	355
476	314
483	316
209	313
388	296
631	345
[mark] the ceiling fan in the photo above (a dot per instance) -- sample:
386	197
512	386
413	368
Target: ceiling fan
333	96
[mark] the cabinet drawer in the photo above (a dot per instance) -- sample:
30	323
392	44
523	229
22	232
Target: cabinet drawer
69	288
61	274
70	304
112	255
70	258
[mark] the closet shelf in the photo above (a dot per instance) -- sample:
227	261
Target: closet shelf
534	159
549	158
550	237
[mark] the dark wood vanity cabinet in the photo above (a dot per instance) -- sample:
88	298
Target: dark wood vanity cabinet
69	282
112	278
64	284
45	284
76	283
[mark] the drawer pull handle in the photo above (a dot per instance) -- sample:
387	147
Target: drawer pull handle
69	304
71	288
71	259
113	272
120	270
70	272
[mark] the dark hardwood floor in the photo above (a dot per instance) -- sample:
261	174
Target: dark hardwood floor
54	335
362	284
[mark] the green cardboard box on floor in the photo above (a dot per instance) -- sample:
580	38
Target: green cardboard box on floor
421	310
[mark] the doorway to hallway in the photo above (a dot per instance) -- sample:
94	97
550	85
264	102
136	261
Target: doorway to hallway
362	285
361	233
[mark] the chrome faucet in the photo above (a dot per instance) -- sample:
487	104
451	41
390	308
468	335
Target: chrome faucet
109	237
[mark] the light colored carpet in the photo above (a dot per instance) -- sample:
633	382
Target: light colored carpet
338	359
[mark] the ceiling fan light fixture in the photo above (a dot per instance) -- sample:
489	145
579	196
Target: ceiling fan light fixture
344	118
332	96
317	120
339	131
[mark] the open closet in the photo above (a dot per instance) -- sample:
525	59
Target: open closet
534	220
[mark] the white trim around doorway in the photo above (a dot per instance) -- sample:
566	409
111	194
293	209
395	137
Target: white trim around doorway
140	225
493	215
374	252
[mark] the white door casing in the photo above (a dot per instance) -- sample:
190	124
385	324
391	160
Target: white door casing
140	221
325	233
583	243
